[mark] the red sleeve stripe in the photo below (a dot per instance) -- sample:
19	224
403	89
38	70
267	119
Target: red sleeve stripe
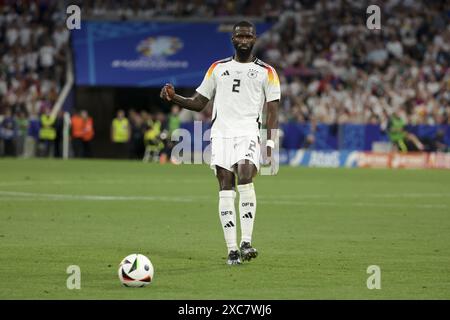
211	69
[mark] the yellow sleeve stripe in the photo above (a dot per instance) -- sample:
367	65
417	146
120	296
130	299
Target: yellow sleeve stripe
273	77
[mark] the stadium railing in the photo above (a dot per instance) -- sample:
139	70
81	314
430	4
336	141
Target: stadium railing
60	102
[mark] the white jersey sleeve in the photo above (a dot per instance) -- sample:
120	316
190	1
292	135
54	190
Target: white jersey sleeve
272	85
208	85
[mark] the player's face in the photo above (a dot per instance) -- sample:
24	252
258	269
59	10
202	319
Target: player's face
243	39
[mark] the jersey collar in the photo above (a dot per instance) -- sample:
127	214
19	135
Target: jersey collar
253	61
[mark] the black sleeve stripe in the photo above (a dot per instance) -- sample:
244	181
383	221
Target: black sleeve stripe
262	64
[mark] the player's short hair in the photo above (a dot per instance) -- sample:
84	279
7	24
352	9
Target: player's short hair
246	24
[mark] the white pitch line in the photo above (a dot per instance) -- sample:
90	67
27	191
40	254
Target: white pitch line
355	204
262	200
50	196
366	195
72	182
294	197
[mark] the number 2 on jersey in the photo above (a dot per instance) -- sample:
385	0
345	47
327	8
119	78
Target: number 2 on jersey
236	85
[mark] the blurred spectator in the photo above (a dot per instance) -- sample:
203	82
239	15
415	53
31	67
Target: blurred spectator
77	130
165	135
47	55
8	132
120	134
174	123
82	134
88	134
153	139
137	125
32	138
22	124
47	134
174	119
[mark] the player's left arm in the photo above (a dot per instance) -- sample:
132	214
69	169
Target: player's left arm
272	91
272	123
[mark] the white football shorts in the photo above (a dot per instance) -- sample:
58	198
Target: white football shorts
226	152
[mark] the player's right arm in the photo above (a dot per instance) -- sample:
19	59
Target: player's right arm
195	103
201	97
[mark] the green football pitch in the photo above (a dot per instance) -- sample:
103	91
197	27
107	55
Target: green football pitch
317	231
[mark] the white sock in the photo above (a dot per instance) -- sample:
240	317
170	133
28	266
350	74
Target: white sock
227	215
247	210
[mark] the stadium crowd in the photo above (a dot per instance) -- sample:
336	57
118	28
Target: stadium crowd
33	44
332	68
148	9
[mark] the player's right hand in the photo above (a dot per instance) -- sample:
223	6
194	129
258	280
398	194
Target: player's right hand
167	92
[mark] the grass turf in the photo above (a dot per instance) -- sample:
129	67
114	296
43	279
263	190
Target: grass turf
317	231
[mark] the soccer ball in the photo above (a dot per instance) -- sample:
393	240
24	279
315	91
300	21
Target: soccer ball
136	270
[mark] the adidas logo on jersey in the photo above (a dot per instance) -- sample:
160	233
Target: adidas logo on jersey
226	73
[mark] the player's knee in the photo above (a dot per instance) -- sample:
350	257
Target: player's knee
245	178
224	187
226	182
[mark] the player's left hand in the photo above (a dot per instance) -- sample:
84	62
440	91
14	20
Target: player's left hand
269	162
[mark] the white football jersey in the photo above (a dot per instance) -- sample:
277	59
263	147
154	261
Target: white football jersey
239	91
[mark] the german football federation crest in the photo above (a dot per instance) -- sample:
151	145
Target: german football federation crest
252	74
